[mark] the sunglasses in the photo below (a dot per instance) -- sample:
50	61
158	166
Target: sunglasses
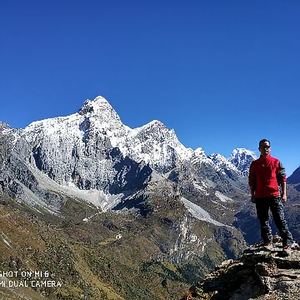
266	147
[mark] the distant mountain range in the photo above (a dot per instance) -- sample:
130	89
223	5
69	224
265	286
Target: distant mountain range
191	208
92	150
295	177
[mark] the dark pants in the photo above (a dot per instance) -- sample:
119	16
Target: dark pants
275	205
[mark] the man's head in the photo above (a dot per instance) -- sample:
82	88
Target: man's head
264	147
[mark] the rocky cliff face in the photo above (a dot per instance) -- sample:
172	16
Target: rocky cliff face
79	150
59	157
258	274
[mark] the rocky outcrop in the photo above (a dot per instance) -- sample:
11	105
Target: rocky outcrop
259	274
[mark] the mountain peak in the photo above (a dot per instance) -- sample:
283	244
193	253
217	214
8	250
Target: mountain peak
100	101
257	274
3	126
155	123
97	105
100	110
240	151
242	158
200	152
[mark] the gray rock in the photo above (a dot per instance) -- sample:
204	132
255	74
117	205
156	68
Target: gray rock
258	274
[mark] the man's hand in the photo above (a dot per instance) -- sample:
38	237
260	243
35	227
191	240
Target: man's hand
283	198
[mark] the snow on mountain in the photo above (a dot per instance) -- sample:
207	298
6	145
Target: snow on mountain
97	126
93	150
71	149
3	126
156	145
74	149
225	166
242	158
95	116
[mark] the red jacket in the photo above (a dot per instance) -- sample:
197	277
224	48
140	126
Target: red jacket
265	175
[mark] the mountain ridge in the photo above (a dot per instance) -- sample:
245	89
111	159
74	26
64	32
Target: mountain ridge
72	150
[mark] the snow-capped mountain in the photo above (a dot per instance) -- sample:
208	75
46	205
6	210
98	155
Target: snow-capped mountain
225	166
74	149
155	145
94	129
242	158
92	150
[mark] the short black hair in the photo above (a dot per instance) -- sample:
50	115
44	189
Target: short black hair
263	141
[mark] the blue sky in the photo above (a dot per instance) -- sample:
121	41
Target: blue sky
222	74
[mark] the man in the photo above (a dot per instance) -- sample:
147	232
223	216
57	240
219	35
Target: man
265	176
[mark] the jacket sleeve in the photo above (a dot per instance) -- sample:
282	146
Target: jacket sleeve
251	179
280	173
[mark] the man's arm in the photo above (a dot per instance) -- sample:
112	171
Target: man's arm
282	181
252	193
283	191
252	182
